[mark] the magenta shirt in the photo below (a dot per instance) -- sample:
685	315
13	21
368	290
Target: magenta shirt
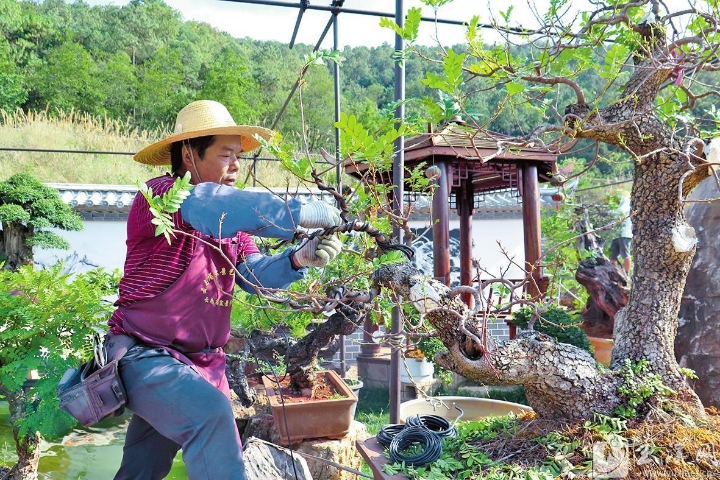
178	295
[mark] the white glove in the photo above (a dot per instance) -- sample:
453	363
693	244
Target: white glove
317	252
319	214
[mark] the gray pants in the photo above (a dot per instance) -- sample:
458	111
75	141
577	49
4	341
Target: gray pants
174	407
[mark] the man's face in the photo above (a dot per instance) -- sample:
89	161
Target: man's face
220	163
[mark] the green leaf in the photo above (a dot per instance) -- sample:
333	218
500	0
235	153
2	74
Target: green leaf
412	24
387	23
453	68
614	60
514	88
506	14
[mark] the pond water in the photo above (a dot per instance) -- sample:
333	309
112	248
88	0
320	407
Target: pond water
92	453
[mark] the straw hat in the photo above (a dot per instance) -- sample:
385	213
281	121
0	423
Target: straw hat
199	119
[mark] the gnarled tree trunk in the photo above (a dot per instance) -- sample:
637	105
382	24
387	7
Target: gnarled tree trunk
559	380
14	247
26	447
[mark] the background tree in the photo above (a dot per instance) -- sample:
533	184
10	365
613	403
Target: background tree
47	320
54	89
26	207
228	80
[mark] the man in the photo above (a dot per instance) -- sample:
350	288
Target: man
175	298
620	246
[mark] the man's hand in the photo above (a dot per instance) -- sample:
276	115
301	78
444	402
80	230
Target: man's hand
318	251
319	214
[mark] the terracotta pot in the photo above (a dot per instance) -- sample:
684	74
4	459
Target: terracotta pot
603	349
315	418
416	370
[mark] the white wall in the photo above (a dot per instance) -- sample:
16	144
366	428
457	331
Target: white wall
100	243
490	237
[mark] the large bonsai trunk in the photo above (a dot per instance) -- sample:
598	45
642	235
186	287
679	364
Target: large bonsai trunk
14	249
560	380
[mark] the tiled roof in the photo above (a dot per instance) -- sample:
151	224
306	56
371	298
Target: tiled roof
475	144
113	201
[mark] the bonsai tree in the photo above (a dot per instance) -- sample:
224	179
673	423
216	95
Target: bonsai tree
26	207
554	321
648	62
46	318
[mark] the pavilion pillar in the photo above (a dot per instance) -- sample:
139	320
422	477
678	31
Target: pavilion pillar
441	226
531	225
466	204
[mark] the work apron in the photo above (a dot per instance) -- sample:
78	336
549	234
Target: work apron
191	319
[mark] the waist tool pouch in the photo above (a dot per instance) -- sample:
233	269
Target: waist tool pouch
94	392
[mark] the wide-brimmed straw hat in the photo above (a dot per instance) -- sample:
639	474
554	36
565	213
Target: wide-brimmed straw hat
199	119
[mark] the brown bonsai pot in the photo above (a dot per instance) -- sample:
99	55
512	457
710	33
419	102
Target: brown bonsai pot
311	418
603	349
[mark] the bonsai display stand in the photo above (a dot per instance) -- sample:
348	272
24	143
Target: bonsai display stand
372	452
375	370
411	391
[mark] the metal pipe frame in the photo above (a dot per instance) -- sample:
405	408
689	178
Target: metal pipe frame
330	8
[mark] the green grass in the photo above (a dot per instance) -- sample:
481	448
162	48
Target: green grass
373	409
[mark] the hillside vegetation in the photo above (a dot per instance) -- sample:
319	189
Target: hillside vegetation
85	133
112	79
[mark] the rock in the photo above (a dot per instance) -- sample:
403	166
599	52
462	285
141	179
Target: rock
342	451
697	345
268	462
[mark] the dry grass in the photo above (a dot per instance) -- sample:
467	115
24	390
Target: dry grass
38	130
682	449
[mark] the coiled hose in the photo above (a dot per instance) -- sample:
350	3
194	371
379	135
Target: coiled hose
430	442
435	423
388	432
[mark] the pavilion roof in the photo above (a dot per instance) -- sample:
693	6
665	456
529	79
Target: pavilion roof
492	159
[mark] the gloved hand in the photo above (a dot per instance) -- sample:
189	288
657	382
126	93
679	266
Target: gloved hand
319	214
317	252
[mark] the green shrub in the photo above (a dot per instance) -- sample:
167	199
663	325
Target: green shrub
556	322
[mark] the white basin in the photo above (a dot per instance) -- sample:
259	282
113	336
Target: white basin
473	408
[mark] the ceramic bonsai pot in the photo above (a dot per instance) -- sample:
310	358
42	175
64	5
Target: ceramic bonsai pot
603	349
297	421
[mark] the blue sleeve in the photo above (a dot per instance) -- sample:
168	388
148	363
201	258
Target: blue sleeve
262	214
274	271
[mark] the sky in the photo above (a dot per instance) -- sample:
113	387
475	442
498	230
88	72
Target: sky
261	22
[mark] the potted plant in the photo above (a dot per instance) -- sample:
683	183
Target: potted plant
327	412
417	368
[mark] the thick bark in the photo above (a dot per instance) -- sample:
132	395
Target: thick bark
646	327
13	245
560	380
27	447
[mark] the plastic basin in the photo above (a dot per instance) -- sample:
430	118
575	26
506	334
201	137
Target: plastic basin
473	408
